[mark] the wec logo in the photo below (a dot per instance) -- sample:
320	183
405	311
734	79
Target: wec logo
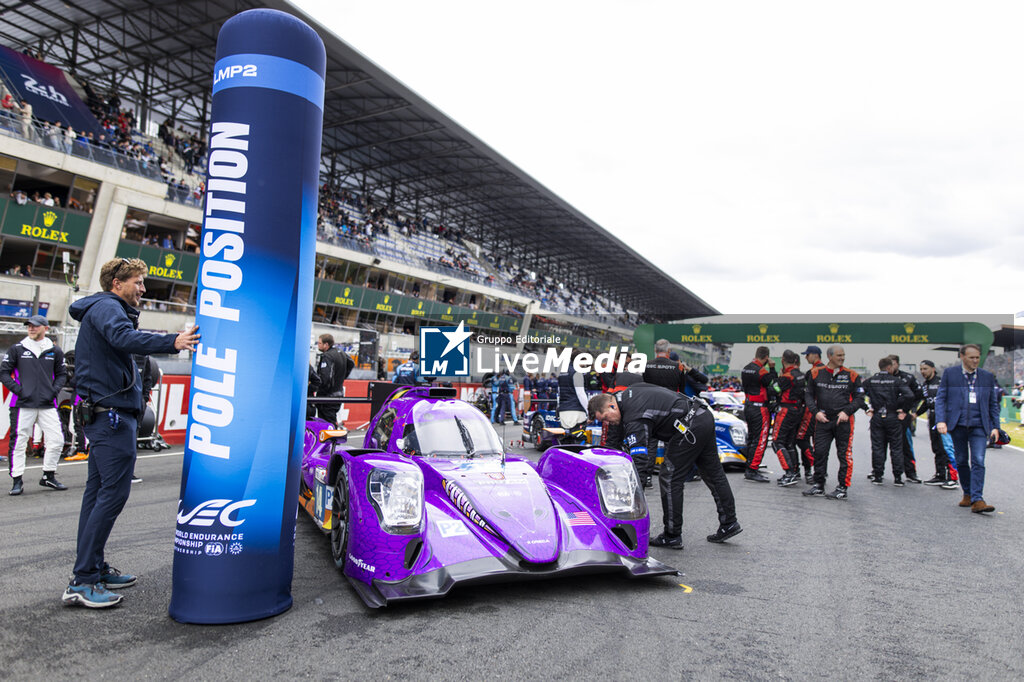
213	510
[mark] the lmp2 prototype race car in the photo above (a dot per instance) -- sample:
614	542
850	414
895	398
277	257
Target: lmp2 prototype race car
432	501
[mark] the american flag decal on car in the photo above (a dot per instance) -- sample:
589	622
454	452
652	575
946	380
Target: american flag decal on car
580	518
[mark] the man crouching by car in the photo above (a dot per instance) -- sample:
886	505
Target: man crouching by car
687	427
111	392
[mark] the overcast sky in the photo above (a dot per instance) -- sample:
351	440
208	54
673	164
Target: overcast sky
785	157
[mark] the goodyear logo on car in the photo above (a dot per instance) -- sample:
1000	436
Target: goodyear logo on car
444	351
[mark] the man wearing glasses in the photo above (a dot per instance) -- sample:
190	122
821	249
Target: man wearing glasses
111	392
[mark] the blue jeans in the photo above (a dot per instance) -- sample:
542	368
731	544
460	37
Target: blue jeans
969	443
111	462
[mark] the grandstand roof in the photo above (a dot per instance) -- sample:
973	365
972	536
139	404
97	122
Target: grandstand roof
379	137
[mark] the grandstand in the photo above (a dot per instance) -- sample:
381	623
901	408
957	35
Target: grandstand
419	220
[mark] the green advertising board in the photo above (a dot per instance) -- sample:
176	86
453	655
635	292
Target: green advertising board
818	333
46	224
351	296
338	293
164	264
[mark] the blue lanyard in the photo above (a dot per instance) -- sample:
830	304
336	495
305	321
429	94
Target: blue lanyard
971	378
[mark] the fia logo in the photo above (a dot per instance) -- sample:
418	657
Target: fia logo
444	351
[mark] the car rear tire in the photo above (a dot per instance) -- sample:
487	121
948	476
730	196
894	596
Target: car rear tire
339	519
537	433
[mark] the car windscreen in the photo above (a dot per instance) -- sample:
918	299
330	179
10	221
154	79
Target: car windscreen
451	428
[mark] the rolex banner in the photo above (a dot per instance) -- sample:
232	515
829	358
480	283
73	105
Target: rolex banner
235	535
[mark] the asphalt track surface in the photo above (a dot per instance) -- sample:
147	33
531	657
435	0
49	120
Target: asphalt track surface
891	584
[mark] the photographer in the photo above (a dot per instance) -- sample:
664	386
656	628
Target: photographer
111	391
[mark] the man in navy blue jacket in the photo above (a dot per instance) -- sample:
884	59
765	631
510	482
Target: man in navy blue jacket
107	379
967	408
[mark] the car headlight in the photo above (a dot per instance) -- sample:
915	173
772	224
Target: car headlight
398	498
621	495
739	434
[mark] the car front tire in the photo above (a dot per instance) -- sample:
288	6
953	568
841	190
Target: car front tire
339	519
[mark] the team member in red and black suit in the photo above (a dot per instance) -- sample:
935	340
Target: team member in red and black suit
758	382
890	401
805	433
834	393
945	472
909	460
789	417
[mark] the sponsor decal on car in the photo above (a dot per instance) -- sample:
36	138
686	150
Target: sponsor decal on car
451	529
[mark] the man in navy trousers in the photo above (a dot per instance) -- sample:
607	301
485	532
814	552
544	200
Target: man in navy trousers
967	407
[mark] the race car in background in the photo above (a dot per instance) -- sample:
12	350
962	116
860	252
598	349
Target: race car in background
542	429
725	401
432	501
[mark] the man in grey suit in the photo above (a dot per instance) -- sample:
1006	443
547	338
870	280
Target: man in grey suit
967	408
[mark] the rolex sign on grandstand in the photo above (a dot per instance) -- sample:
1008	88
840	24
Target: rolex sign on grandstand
444	351
235	538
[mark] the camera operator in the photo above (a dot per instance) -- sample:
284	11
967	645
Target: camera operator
111	389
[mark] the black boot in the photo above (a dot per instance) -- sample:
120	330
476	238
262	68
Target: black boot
666	540
725	532
755	475
49	480
16	487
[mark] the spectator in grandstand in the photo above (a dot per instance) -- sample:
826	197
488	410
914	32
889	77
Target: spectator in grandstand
25	114
47	199
20	197
967	409
8	107
69	138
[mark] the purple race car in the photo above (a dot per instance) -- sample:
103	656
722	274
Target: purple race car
432	501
